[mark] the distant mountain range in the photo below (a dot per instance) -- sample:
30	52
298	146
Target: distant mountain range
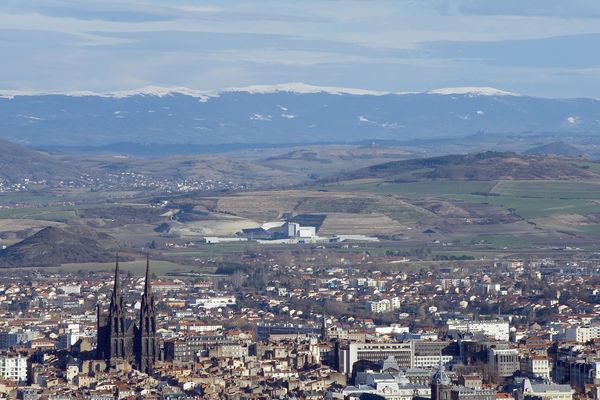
283	114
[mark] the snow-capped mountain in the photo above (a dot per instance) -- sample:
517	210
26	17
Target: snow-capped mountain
286	113
473	91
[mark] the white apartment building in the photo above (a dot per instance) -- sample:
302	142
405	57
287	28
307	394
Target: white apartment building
71	289
13	367
216	301
198	327
392	329
378	307
383	305
168	286
536	367
431	361
582	334
498	329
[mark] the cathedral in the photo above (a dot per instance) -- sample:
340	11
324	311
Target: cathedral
120	338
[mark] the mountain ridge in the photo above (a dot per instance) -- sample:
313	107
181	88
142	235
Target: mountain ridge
286	114
290	87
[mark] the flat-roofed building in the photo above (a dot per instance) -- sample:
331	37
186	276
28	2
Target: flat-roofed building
350	353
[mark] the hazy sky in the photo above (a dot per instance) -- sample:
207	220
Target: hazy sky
537	47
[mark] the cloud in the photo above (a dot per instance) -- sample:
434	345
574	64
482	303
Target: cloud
553	8
103	15
107	45
92	11
576	51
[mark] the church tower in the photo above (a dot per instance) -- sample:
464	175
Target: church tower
441	385
324	328
119	338
119	327
147	342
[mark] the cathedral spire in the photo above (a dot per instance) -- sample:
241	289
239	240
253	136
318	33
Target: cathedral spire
117	327
147	283
147	342
117	286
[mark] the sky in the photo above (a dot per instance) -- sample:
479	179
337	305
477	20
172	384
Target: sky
547	48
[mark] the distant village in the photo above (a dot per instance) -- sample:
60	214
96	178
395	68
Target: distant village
125	180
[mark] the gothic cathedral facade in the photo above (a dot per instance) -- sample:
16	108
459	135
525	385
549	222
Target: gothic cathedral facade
120	338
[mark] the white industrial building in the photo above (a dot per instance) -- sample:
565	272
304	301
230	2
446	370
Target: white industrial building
286	232
295	230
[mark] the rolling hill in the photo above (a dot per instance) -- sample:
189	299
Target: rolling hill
556	149
18	162
487	166
53	246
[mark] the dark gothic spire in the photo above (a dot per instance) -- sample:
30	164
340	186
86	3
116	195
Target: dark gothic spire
147	297
147	283
117	286
147	341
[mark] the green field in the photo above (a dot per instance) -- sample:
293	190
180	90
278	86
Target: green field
28	197
495	241
531	208
415	189
58	214
593	229
591	166
529	199
478	255
33	198
549	189
54	213
217	249
392	207
136	267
